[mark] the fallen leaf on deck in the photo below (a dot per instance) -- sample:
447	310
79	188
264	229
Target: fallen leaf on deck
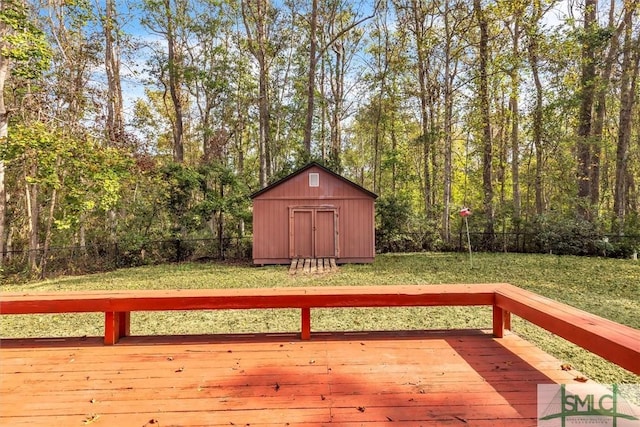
361	408
276	387
390	419
170	358
92	401
91	419
581	379
566	367
180	369
461	419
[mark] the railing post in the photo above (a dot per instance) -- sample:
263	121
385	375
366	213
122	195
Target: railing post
498	321
305	331
111	327
124	324
116	325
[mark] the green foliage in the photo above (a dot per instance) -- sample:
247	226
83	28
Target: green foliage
180	182
567	235
25	44
393	215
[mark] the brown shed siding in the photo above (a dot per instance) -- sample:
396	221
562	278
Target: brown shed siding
292	219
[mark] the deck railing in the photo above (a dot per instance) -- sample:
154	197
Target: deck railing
615	342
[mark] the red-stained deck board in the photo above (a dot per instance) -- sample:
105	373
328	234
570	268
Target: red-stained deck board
429	378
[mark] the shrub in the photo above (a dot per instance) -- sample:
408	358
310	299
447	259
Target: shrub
568	236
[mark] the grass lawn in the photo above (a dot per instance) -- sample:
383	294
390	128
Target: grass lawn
606	287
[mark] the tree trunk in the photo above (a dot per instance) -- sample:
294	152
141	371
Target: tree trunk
115	120
587	85
450	70
49	225
424	97
4	130
175	81
630	61
515	126
537	120
337	87
604	83
254	16
33	219
487	145
311	78
378	129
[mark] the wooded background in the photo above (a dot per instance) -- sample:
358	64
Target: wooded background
126	122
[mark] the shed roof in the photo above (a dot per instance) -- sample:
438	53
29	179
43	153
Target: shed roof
307	167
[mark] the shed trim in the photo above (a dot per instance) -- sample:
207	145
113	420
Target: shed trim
306	167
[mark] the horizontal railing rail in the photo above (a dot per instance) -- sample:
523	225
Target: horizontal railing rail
615	342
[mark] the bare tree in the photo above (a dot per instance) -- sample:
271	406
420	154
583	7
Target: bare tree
315	53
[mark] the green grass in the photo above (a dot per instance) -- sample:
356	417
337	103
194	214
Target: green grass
606	287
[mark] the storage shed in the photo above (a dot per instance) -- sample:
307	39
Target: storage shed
313	213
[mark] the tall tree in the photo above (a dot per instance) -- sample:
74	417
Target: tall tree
339	58
454	23
585	119
25	51
115	104
211	63
603	88
168	18
419	20
4	120
311	77
315	53
258	17
515	30
628	95
534	36
485	118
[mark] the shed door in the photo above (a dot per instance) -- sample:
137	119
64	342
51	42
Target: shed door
325	234
313	233
302	234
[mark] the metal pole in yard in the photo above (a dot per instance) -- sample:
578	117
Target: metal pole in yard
465	212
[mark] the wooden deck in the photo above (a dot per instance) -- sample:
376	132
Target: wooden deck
312	266
450	378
